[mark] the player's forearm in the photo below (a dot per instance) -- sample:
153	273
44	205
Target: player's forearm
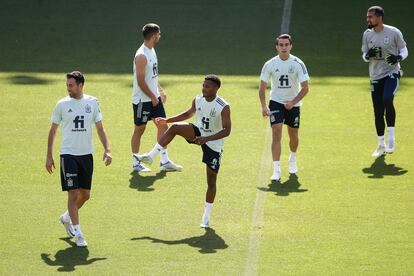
301	95
50	142
262	97
104	139
219	135
180	117
144	87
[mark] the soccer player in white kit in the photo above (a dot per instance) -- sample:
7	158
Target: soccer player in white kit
383	47
76	114
212	124
289	84
148	97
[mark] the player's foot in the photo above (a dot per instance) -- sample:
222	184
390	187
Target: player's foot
80	241
380	150
170	166
275	176
204	222
390	148
138	167
144	158
293	167
68	227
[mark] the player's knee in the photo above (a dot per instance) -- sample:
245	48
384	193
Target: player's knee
139	130
173	128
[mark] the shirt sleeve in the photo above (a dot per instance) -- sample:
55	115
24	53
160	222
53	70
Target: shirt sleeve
302	72
364	47
97	115
57	114
400	40
266	72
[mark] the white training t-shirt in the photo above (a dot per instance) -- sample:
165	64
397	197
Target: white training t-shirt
151	75
76	118
208	119
286	77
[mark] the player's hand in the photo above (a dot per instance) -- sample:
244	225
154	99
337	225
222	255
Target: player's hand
200	140
391	59
107	158
265	111
50	164
163	96
160	121
288	105
373	52
155	101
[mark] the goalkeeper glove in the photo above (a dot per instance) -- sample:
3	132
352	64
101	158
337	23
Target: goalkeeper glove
372	52
392	59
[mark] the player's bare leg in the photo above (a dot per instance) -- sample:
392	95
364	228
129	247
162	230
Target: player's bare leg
276	150
210	196
74	198
293	144
135	145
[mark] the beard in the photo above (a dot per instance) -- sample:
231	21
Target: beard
370	26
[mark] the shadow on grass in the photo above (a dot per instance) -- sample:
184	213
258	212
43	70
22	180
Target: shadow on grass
27	80
291	185
208	243
380	168
67	259
144	182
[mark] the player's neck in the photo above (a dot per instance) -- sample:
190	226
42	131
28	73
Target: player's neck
379	27
210	98
77	96
284	56
149	44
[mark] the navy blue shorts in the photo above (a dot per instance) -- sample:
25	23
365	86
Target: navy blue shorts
145	111
384	90
279	114
211	157
76	171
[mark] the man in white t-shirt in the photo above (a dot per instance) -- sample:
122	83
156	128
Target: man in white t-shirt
289	84
76	114
212	124
148	97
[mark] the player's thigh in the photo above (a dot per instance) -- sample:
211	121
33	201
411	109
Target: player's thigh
391	85
277	131
293	132
377	91
142	112
69	172
293	117
277	113
85	164
211	158
184	130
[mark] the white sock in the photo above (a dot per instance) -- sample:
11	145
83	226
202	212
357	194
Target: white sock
164	156
292	157
276	166
77	230
157	148
207	211
391	134
65	216
381	141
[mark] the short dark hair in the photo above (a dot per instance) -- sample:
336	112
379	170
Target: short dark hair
77	75
213	78
284	36
149	29
379	11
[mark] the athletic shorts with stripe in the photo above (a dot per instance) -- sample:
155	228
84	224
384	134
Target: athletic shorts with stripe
384	90
279	114
145	111
76	171
211	157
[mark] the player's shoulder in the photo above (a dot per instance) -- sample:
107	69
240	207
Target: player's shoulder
90	99
220	101
63	100
367	32
391	28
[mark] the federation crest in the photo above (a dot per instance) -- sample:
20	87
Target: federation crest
213	113
144	118
88	108
69	182
291	69
386	40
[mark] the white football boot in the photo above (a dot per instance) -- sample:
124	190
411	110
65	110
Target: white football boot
68	227
170	166
80	240
380	150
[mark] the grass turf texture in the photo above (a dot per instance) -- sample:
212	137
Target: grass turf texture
346	213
